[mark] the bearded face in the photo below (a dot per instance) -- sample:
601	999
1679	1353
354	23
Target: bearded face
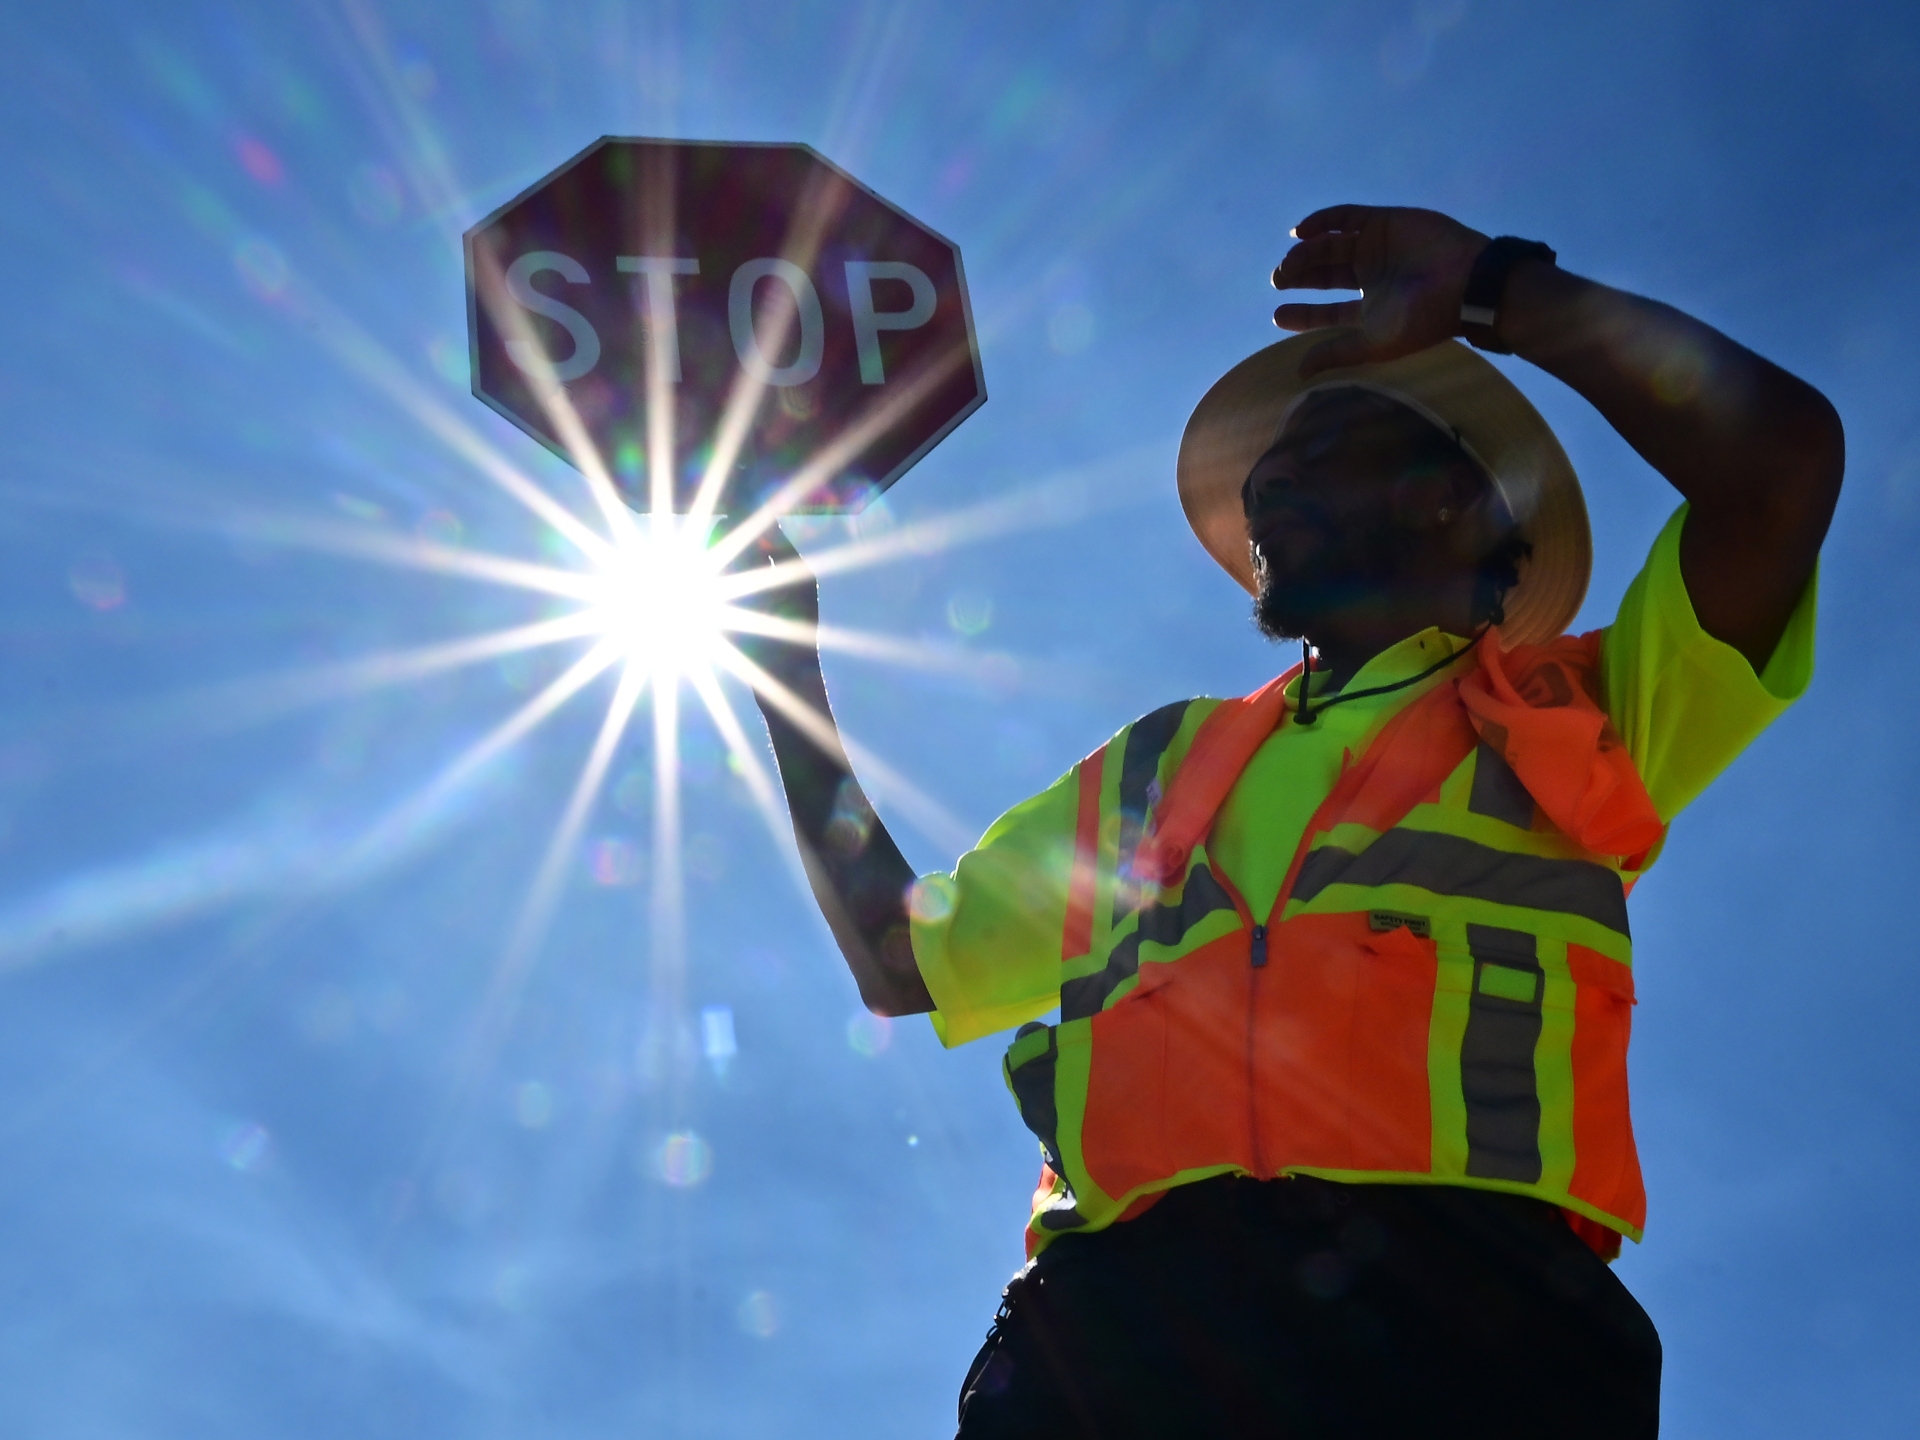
1341	511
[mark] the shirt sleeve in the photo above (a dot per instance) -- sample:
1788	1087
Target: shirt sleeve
1684	703
987	937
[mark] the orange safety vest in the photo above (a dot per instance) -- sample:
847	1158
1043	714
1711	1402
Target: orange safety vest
1441	993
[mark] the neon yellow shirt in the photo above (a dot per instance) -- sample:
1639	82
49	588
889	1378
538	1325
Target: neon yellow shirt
987	938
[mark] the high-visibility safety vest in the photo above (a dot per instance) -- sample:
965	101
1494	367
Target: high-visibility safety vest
1441	993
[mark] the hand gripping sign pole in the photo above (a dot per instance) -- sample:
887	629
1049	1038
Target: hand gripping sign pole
721	326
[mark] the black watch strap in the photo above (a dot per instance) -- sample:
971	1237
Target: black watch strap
1487	282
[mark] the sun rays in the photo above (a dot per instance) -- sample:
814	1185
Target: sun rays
651	623
658	606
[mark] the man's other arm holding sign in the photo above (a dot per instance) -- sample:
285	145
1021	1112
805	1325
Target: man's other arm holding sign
858	874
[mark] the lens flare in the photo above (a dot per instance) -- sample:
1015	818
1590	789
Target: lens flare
869	1035
246	1146
683	1160
759	1315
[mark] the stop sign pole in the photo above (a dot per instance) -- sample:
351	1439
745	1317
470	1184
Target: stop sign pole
730	326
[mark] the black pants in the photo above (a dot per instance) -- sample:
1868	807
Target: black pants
1299	1308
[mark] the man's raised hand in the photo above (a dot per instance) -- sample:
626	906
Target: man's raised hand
1410	267
1758	453
785	598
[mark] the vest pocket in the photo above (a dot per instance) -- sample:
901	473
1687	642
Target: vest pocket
1340	1066
1391	1124
1606	1171
1167	1083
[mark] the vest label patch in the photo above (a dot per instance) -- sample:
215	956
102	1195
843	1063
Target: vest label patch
1384	920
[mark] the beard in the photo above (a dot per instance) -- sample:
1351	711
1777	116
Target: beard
1291	609
1344	576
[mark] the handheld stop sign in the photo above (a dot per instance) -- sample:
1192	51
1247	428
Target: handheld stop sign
748	312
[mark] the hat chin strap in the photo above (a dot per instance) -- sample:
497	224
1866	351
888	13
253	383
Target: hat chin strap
1305	714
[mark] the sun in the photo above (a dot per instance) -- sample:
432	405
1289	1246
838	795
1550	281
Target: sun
657	599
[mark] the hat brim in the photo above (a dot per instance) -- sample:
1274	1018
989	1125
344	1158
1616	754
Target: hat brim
1236	422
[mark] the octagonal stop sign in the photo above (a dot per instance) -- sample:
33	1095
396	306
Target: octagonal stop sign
746	314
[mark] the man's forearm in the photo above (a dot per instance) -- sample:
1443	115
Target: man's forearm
1723	424
857	872
1757	452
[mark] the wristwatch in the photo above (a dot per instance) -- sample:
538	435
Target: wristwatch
1487	282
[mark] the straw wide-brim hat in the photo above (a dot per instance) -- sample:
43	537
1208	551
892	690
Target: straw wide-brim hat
1239	418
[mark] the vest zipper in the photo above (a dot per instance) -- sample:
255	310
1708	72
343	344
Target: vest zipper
1253	1057
1258	949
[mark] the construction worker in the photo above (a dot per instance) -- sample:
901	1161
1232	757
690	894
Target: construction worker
1334	1116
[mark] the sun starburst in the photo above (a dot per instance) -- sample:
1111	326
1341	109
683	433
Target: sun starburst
658	598
660	603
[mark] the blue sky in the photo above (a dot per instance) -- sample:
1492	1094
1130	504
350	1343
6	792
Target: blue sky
274	1166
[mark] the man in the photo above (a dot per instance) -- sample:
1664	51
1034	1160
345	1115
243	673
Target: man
1334	1117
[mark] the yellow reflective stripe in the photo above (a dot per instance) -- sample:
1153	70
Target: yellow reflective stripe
1030	1043
1451	820
1042	1234
1553	1069
1350	837
1107	867
1487	830
1073	1066
1446	1028
1176	751
1508	984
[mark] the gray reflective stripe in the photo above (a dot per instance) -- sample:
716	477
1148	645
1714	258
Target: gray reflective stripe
1496	1061
1451	865
1032	1086
1201	896
1497	791
1147	740
1062	1213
